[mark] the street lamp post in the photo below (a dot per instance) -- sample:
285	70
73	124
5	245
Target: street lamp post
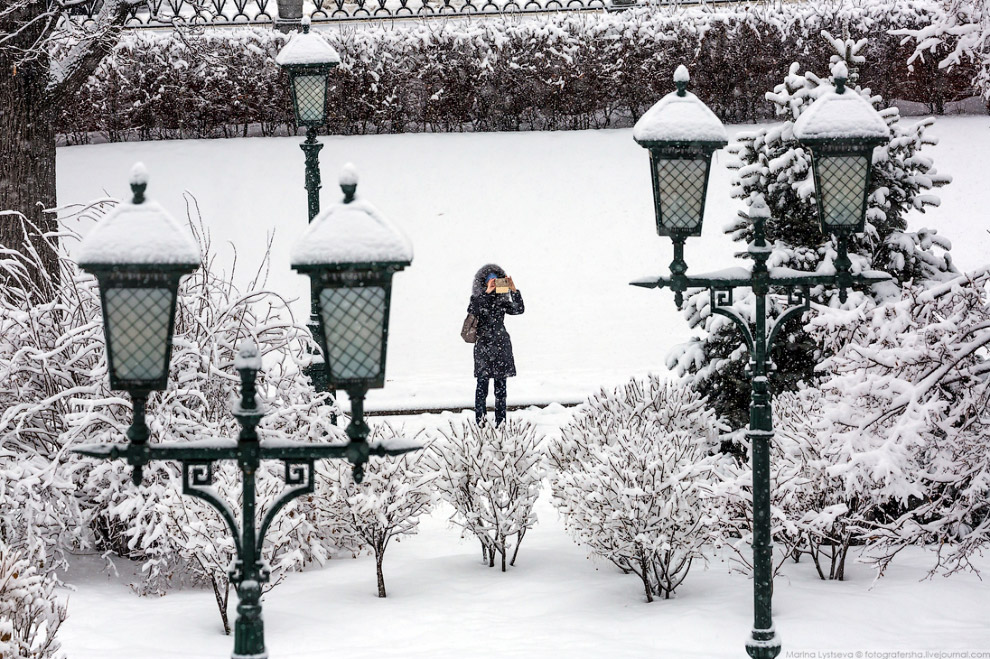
841	128
308	59
138	254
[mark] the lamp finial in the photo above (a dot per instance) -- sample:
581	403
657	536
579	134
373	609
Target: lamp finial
139	182
840	73
348	181
306	22
681	79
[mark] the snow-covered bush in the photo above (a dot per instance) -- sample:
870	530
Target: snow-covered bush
387	505
564	71
635	475
906	406
957	36
30	611
491	475
811	514
771	165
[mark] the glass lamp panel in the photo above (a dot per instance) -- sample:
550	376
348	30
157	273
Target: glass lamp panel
137	323
311	97
842	185
354	324
682	192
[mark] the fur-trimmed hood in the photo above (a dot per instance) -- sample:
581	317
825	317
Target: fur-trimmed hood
478	283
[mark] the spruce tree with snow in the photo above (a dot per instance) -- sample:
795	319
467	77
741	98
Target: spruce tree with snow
635	476
770	164
385	506
491	475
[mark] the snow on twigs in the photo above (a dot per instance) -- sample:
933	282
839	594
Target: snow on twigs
491	476
635	478
385	506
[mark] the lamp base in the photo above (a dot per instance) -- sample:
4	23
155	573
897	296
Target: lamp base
763	644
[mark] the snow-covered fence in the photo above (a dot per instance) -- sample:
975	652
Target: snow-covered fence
158	13
565	71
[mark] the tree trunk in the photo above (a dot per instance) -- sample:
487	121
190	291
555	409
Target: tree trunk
27	151
379	558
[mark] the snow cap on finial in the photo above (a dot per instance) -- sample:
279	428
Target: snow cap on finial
139	182
840	73
758	207
248	355
306	22
681	79
348	181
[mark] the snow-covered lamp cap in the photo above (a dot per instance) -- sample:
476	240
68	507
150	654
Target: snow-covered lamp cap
138	233
351	232
307	49
841	114
680	117
681	133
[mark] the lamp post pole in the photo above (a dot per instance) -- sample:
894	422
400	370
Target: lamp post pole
308	60
681	133
312	150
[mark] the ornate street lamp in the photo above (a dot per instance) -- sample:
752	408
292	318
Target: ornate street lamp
308	59
681	134
842	129
350	253
138	253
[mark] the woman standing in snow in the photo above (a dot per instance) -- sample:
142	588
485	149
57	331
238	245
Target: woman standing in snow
493	358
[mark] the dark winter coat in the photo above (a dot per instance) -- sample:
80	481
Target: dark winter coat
493	349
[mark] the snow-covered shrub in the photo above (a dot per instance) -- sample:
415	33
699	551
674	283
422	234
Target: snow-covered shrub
811	514
906	406
30	611
387	505
491	475
50	357
772	166
565	71
634	476
958	36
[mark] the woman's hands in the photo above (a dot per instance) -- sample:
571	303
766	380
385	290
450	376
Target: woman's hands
491	285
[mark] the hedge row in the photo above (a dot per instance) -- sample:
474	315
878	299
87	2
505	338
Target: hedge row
565	71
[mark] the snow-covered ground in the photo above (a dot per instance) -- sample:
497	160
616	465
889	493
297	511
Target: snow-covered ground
443	603
568	214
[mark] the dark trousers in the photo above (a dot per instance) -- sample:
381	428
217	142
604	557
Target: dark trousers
481	393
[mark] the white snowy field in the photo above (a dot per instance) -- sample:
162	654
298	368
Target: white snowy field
568	214
443	603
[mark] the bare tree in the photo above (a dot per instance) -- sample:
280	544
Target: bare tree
44	59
